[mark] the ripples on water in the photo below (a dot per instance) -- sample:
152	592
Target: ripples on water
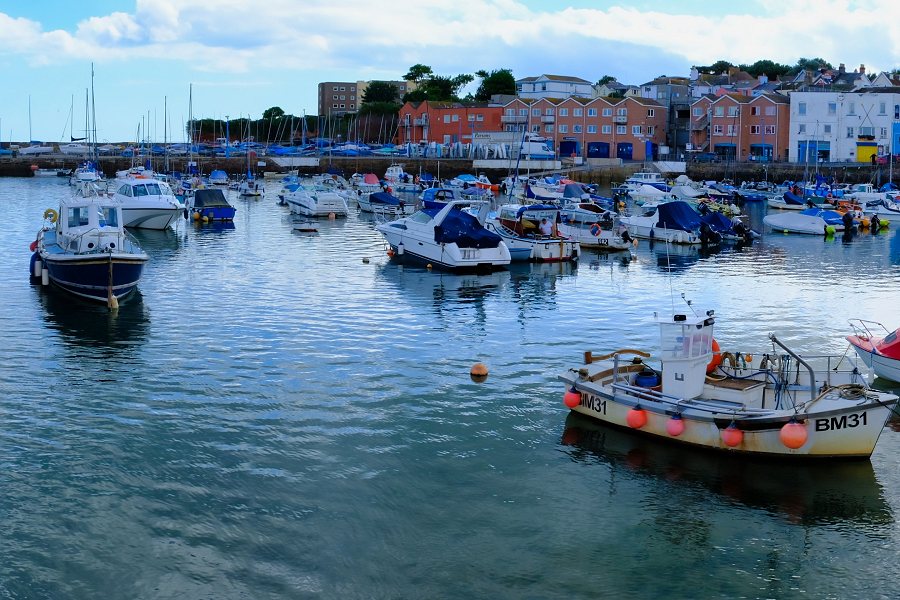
271	416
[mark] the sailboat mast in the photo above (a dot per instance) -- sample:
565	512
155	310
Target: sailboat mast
92	137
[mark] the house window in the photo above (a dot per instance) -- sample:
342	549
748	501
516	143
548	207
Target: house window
717	130
732	111
510	112
548	112
770	130
548	128
754	129
592	112
471	118
576	128
832	108
754	111
621	129
801	128
334	89
342	106
607	112
343	97
446	118
770	111
867	131
479	117
622	112
882	108
801	108
731	130
343	89
577	112
651	112
826	129
563	128
850	132
535	112
883	132
523	112
606	129
455	118
851	110
593	128
719	111
697	111
353	88
650	129
334	106
635	130
564	112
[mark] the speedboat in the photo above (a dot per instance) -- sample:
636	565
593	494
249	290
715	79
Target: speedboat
382	203
775	403
148	203
796	222
519	227
446	237
886	209
85	250
437	197
673	221
210	204
308	201
878	347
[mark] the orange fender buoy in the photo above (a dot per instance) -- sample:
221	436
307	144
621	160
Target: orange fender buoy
716	359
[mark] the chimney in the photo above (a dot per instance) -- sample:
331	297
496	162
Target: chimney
862	69
763	79
841	68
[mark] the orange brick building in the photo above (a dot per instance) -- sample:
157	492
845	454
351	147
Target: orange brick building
738	127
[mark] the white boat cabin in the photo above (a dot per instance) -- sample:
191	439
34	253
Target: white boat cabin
90	225
685	352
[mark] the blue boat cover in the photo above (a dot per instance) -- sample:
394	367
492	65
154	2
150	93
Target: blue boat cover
463	229
210	198
719	223
523	209
677	214
831	217
573	190
792	198
384	198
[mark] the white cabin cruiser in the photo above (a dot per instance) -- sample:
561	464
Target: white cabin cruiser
148	203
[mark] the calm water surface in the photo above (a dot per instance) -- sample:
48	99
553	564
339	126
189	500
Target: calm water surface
273	417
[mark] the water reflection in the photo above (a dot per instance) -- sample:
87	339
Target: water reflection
807	493
91	324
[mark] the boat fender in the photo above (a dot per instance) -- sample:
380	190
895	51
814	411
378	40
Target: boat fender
716	359
596	230
51	215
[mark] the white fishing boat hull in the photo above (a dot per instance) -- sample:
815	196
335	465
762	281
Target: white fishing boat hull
797	223
604	239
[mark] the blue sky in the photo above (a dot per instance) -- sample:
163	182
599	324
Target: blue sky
243	57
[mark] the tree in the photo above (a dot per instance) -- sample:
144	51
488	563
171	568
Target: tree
766	67
500	81
273	113
812	64
380	91
720	66
605	79
418	72
438	88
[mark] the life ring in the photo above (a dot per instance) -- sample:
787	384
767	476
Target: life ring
716	359
51	215
595	229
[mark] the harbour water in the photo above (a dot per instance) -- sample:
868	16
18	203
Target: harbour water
272	416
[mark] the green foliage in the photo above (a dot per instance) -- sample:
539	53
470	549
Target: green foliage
379	108
720	66
605	79
273	113
499	81
418	72
813	64
380	92
771	69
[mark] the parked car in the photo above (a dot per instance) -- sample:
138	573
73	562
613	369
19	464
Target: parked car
706	157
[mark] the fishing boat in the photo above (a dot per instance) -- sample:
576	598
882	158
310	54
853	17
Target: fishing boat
605	233
877	346
446	237
520	228
84	248
148	203
776	403
210	204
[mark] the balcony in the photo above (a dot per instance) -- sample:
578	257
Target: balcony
423	122
513	118
548	119
622	119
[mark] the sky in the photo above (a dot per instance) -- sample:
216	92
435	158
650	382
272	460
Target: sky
154	60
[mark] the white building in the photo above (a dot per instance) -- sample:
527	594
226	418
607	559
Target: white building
844	126
553	86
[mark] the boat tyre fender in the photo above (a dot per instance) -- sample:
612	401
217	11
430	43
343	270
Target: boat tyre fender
51	215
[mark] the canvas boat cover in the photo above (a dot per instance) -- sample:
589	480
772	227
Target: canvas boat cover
463	229
677	215
384	198
210	198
